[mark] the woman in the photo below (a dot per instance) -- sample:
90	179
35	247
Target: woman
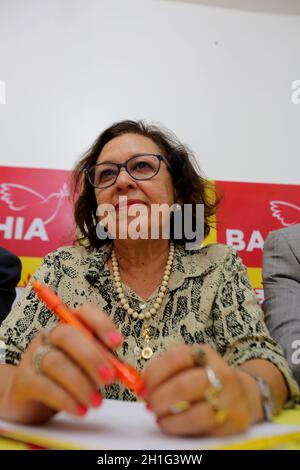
151	300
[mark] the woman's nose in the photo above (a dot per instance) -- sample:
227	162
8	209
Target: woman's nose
124	180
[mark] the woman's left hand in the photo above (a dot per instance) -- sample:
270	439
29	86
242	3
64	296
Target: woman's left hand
193	399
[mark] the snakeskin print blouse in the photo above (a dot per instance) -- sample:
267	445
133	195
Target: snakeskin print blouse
209	300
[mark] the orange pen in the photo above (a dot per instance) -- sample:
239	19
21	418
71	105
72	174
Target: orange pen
127	374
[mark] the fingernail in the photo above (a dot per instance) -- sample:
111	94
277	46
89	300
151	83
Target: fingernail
106	374
96	399
114	338
148	406
81	410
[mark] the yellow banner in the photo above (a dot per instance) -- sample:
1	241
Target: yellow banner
29	266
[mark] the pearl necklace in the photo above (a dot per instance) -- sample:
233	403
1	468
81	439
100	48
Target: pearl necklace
161	293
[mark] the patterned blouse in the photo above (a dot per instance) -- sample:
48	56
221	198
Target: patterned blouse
209	300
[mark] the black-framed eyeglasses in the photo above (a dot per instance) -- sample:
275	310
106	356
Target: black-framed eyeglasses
142	166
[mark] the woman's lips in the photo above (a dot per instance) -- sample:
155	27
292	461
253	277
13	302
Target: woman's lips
124	204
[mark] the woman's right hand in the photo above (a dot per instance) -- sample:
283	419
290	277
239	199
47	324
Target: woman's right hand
71	371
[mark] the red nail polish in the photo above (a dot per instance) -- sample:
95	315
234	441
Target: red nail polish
106	374
114	338
148	406
96	399
81	410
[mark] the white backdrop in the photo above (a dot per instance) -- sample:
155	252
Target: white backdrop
220	79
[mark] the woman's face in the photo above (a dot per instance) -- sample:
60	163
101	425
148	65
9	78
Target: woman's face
135	194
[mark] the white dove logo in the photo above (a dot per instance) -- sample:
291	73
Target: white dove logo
285	212
36	211
20	198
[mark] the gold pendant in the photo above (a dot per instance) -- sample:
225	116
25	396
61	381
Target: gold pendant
146	333
147	352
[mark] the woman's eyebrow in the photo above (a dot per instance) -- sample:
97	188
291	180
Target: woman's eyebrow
104	161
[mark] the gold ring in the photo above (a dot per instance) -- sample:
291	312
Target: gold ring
220	414
39	356
179	407
199	356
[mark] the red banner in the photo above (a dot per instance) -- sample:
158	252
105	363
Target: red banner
35	210
249	211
